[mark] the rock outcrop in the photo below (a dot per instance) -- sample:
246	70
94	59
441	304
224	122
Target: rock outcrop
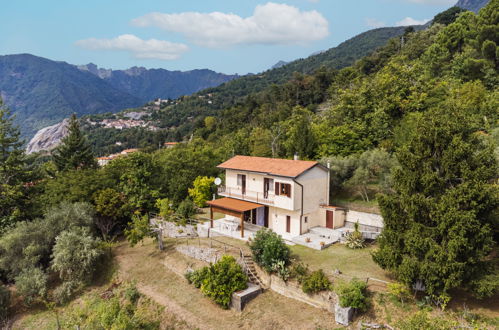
472	5
48	138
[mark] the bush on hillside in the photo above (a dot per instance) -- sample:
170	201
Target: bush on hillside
268	248
4	302
197	277
353	294
31	283
29	244
186	209
75	255
299	271
315	282
220	280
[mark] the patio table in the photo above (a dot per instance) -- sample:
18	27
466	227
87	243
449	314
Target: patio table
229	225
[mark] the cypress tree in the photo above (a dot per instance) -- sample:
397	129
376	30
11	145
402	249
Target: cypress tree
12	170
74	152
439	222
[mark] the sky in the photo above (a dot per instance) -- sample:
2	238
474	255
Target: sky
229	36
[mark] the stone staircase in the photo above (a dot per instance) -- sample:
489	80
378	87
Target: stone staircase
249	267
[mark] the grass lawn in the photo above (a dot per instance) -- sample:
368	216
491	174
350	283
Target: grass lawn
354	263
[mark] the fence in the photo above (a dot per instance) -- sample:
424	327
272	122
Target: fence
177	219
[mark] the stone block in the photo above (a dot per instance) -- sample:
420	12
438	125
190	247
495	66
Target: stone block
241	298
343	315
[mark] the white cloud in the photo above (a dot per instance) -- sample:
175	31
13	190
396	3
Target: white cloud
142	49
270	23
374	23
411	21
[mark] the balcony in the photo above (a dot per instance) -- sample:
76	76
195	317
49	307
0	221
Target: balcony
252	196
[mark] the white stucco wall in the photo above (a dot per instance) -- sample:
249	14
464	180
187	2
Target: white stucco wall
315	189
367	219
254	188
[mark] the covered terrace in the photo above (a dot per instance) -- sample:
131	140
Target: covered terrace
233	207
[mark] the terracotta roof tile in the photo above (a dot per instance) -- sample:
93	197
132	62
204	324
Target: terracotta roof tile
271	166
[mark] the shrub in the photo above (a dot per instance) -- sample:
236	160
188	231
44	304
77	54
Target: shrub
197	277
116	312
399	291
131	293
75	255
316	282
186	209
4	302
353	294
269	248
354	239
31	283
421	320
281	270
165	207
29	244
299	271
486	286
138	229
220	280
64	292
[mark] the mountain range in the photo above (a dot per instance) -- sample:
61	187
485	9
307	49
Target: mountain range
149	84
41	92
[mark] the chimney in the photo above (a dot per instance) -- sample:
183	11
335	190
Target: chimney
296	156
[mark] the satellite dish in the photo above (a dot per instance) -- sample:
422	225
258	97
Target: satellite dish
218	181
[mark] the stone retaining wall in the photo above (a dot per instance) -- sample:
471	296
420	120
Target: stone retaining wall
200	253
293	290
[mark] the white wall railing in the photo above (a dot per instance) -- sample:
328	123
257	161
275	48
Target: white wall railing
253	196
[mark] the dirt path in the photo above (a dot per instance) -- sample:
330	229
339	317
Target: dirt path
171	306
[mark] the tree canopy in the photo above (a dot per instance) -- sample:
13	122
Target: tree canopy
74	152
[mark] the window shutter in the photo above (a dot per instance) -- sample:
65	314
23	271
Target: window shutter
289	191
277	188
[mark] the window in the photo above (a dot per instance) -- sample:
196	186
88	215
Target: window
306	220
283	189
240	179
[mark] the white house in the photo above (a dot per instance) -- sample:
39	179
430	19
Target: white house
287	196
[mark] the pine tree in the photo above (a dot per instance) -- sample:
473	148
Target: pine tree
12	170
439	222
74	152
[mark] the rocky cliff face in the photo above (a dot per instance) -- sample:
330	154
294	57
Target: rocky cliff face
472	5
48	138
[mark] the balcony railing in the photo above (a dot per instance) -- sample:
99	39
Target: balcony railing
253	196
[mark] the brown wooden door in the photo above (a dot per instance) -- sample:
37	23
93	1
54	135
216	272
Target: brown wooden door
266	223
329	219
288	224
243	184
